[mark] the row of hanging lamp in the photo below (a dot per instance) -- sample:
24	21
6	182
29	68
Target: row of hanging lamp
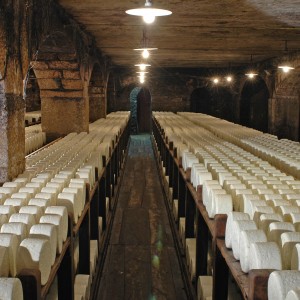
148	12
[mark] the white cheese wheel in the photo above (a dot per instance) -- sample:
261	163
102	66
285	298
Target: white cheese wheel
276	229
62	211
48	196
207	184
34	210
35	254
201	177
3	219
48	232
27	219
247	237
233	216
29	191
55	220
190	252
12	243
17	203
4	261
78	202
11	289
266	219
182	231
288	209
276	202
265	255
288	241
42	203
19	229
238	227
281	282
250	206
58	185
293	295
245	204
50	190
222	204
238	198
210	205
81	192
259	210
175	209
204	287
295	261
69	201
7	210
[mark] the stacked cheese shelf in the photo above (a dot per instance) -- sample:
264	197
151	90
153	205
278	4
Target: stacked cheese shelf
62	202
32	117
217	173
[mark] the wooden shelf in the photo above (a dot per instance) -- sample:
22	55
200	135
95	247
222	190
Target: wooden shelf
55	267
63	266
252	285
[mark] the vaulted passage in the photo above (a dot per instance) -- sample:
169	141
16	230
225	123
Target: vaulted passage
141	261
254	105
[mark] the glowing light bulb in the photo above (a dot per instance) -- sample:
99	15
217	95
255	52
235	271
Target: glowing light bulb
251	75
149	18
229	78
142	79
216	80
145	53
285	68
142	67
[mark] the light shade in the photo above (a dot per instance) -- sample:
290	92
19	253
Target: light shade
286	68
142	66
251	74
148	13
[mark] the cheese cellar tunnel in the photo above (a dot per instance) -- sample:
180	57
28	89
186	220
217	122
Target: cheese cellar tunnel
149	149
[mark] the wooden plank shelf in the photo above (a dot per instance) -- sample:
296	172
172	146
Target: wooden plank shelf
55	267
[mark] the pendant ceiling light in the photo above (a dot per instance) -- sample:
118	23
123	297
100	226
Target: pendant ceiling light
148	12
286	67
251	73
142	66
145	49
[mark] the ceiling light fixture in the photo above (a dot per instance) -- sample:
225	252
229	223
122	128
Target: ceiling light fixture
216	80
285	67
142	66
145	51
148	12
251	73
228	78
144	45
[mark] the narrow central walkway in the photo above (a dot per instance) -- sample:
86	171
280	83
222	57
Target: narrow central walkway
141	261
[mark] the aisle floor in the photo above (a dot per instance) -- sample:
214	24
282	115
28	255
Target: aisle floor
141	261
